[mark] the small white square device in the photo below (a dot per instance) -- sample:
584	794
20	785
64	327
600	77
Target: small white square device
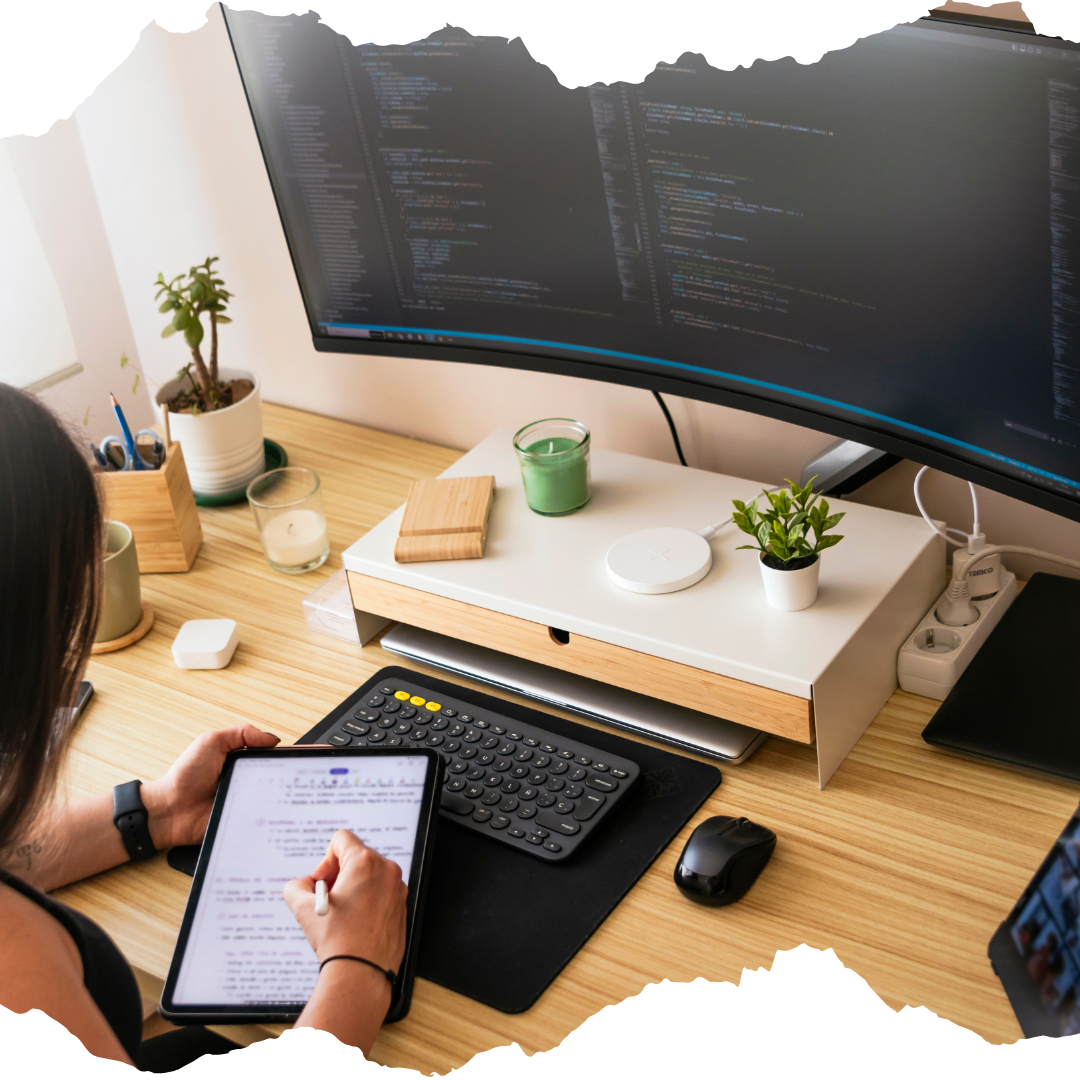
205	643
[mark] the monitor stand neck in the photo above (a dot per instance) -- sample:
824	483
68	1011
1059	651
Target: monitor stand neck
844	466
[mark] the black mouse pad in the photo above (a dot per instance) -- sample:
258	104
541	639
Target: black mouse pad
1016	702
499	925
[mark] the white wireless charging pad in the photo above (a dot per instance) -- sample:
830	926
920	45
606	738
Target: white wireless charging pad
659	560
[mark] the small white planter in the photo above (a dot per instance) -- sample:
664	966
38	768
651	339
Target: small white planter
791	590
223	450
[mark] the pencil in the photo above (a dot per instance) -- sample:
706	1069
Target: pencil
137	462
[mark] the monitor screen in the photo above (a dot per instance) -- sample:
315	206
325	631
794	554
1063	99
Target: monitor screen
882	245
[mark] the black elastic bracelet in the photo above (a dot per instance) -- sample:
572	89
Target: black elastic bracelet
391	976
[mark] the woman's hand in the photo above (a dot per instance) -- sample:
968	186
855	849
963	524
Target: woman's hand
367	919
179	804
367	904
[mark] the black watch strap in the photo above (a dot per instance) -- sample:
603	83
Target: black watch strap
132	820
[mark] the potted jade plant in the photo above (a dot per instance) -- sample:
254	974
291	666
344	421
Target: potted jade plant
790	535
215	413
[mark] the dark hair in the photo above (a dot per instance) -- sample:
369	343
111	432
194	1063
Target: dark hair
51	539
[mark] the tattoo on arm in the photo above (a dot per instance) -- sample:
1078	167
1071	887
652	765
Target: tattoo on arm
21	856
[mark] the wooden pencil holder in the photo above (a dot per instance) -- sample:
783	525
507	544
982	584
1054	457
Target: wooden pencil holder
159	508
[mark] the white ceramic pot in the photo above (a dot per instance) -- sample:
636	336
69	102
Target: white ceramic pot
223	450
791	590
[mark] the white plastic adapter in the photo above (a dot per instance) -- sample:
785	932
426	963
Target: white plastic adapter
936	655
205	643
987	577
660	560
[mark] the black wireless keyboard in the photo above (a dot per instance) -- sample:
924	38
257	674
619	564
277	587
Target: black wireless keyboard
513	782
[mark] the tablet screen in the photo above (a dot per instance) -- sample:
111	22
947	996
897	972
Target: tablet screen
1036	950
279	813
1045	931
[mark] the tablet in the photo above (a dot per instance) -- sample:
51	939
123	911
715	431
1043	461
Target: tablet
241	956
1036	951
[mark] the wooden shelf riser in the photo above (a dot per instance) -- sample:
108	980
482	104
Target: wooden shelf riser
716	695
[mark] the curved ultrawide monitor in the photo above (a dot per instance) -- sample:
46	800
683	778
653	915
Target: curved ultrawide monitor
884	245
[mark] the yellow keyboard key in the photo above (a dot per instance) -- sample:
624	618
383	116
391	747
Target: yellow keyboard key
417	701
434	706
402	695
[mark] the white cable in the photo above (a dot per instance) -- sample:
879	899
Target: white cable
711	530
943	533
1014	549
972	538
957	609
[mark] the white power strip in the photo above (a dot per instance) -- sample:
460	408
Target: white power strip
935	656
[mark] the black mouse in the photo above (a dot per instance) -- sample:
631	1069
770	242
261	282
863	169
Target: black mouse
722	859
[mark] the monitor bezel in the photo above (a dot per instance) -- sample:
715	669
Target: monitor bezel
596	371
904	447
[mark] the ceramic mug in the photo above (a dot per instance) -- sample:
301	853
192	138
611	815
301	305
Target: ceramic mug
121	597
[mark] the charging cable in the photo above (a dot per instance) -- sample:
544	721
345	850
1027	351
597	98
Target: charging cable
711	530
956	608
991	574
975	540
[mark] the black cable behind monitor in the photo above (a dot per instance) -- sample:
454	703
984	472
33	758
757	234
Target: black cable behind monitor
670	424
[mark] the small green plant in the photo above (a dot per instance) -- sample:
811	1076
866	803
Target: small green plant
786	527
188	296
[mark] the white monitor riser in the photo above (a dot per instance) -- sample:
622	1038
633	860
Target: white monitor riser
706	644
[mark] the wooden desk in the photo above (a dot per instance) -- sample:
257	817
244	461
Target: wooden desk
904	865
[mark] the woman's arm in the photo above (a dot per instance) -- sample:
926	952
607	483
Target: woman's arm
71	841
40	968
366	919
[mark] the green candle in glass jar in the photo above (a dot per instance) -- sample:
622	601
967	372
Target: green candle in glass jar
554	457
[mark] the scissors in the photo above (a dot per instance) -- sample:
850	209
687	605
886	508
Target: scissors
149	445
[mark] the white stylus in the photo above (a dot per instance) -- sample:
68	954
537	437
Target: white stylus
322	901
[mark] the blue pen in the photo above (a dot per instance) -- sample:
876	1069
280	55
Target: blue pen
137	462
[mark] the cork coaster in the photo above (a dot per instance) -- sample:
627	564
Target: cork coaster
140	631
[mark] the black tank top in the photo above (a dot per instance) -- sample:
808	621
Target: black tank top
106	974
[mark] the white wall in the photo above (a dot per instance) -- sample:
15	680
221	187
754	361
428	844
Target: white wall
177	173
35	338
55	184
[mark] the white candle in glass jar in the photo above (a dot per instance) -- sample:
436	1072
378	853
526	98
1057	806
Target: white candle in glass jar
295	537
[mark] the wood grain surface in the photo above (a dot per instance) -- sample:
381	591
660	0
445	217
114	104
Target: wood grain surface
718	695
445	519
904	865
461	504
159	508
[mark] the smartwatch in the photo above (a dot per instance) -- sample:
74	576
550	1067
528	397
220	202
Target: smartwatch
132	820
